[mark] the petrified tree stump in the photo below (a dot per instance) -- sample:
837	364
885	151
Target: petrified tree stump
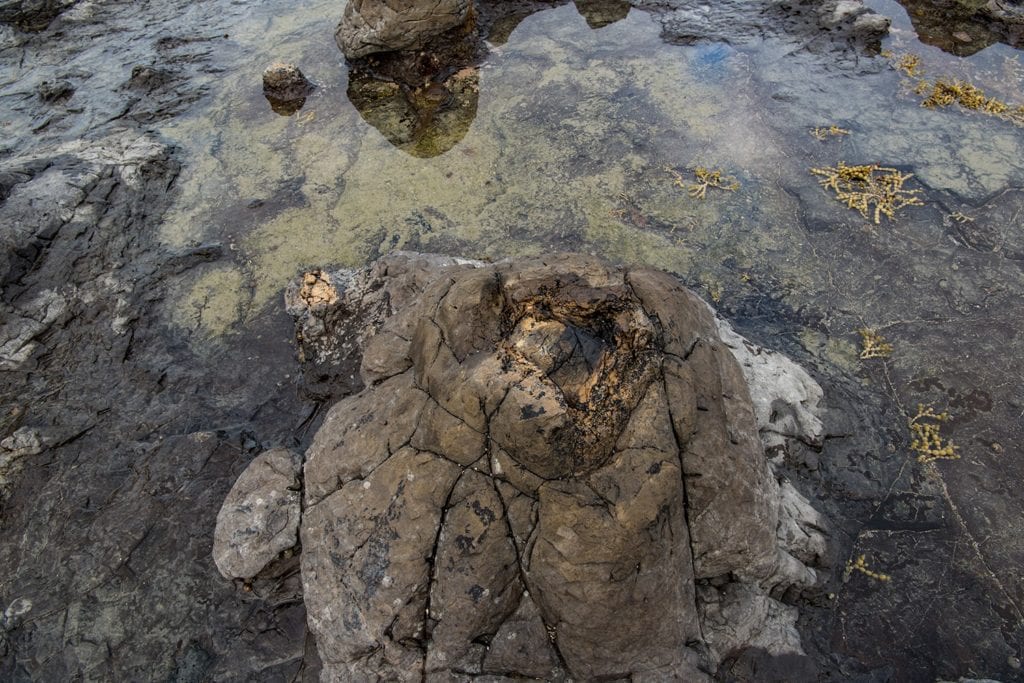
547	458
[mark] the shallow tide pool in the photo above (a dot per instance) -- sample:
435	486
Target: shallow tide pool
576	141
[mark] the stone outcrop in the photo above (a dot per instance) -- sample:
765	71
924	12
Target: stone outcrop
32	15
370	26
553	469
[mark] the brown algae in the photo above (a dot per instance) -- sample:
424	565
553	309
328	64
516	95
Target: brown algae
944	93
825	132
873	345
705	178
928	442
864	186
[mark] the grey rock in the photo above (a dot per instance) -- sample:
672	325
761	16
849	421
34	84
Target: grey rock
260	516
369	26
787	400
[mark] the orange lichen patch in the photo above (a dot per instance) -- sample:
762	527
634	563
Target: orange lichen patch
861	187
928	443
317	289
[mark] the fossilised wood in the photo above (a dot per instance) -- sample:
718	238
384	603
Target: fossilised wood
554	449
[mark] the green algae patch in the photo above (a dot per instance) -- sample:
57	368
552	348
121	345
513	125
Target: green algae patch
214	303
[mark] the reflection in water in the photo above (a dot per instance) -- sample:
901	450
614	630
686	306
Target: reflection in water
424	102
960	27
424	121
600	13
285	107
285	88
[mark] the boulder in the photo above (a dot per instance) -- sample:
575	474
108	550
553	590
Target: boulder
554	469
369	26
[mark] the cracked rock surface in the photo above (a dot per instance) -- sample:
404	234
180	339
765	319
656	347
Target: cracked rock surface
554	469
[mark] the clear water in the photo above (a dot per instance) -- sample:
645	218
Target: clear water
573	131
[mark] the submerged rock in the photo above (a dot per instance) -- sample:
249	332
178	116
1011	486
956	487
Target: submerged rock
553	469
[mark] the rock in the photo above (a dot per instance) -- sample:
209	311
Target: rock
370	26
260	516
55	91
786	399
23	442
285	87
557	450
32	15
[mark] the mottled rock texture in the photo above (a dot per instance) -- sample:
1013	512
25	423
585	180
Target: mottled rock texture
553	469
370	26
260	516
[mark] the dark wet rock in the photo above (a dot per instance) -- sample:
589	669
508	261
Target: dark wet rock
832	25
32	15
55	91
369	26
121	439
148	78
260	517
560	451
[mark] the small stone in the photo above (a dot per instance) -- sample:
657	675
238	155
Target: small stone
260	516
55	91
285	83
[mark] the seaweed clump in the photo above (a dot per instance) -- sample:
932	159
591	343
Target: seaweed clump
867	186
705	178
825	132
928	443
943	93
861	566
873	345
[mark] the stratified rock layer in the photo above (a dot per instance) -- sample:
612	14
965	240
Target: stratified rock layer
547	457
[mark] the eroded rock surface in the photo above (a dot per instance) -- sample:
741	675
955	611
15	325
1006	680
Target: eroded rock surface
553	469
369	26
